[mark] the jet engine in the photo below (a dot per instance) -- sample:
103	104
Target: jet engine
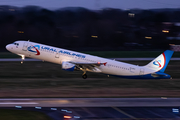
68	66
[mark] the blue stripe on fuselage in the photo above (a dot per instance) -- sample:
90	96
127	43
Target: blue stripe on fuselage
157	75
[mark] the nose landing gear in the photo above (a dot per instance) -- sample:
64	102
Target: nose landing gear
23	57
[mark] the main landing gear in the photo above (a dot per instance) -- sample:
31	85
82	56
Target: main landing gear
84	76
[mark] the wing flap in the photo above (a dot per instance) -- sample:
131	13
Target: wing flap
93	64
93	67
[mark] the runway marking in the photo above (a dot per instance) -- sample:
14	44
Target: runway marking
13	99
75	112
89	112
124	112
11	103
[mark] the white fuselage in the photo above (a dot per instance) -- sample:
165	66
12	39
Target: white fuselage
59	55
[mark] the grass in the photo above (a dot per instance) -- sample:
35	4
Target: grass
92	87
11	114
49	70
8	55
43	79
108	54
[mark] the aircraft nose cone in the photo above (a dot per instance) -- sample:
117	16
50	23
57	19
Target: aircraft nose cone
8	47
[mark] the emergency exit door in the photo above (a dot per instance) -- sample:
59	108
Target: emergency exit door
141	71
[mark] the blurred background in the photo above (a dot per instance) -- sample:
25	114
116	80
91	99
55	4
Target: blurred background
85	25
106	28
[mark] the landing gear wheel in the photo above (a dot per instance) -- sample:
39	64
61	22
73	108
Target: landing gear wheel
84	76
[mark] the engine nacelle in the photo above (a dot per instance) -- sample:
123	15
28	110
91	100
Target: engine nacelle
68	66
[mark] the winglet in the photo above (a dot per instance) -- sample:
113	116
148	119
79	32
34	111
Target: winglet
105	63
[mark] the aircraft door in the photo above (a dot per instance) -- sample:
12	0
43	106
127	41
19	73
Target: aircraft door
141	71
25	46
132	70
57	55
57	59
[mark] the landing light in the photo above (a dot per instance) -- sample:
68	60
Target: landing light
163	97
53	108
23	57
18	106
38	107
175	110
76	117
68	117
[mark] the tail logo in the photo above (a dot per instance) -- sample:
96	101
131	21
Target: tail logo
157	63
34	49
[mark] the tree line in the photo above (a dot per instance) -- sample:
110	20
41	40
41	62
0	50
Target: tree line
79	28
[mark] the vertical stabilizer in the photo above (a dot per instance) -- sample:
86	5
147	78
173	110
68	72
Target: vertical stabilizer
160	63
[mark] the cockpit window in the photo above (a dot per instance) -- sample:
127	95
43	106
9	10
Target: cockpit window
16	44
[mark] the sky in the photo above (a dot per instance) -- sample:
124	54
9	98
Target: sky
96	4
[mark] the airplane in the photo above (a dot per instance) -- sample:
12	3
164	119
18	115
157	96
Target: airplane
71	60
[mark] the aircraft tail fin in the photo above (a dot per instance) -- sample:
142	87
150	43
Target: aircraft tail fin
160	63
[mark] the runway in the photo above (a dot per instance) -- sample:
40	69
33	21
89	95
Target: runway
91	102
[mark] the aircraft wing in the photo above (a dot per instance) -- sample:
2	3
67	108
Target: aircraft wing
89	66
